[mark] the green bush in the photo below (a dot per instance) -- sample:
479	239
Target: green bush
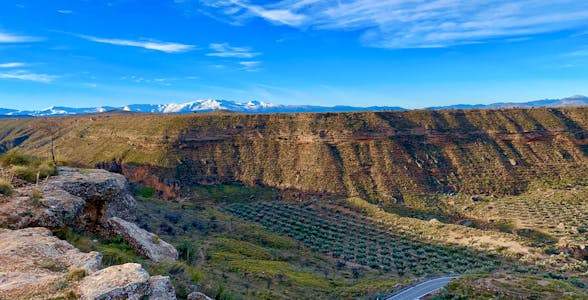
24	172
6	187
146	192
13	158
34	171
27	167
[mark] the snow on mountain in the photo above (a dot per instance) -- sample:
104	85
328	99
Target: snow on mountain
264	107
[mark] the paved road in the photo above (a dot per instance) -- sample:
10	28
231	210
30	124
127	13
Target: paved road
421	289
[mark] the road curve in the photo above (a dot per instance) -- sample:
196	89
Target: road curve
421	289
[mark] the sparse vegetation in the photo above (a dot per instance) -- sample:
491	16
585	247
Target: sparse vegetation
6	187
76	274
145	192
26	167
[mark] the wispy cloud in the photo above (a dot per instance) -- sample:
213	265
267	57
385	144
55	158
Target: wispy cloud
166	81
11	65
250	66
415	23
226	50
167	47
578	53
28	76
9	38
65	11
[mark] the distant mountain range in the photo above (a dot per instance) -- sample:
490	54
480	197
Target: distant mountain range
577	100
263	107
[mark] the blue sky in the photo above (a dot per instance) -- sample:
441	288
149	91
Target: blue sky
409	53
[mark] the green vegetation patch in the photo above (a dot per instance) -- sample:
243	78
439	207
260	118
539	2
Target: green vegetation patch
27	167
351	238
235	192
6	187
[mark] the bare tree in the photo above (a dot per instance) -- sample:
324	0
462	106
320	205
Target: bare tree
49	127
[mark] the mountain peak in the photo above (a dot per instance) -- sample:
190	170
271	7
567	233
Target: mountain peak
576	97
260	107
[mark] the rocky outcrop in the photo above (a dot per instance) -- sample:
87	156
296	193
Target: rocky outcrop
54	208
93	201
128	281
80	198
142	241
105	193
35	265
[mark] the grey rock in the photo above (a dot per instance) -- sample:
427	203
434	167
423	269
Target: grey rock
142	241
128	281
198	296
32	262
161	288
107	194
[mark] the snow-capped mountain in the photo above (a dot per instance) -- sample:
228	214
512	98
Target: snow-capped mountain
191	107
201	106
263	107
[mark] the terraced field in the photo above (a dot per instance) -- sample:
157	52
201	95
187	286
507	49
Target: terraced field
561	219
354	239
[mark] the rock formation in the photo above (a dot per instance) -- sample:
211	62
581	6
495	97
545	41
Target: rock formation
83	199
36	265
142	241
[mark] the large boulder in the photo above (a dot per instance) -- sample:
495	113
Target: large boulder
35	265
79	198
142	241
161	288
106	194
128	281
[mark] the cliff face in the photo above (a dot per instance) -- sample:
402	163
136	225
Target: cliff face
379	156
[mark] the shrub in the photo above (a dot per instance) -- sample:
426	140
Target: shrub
24	172
6	187
13	158
146	192
76	274
37	195
537	238
35	171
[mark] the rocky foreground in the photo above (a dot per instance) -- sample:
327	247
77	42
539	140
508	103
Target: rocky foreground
36	265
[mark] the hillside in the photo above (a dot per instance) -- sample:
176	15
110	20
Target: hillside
383	156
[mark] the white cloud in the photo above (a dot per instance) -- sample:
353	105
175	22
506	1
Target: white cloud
415	23
11	65
250	66
226	50
65	11
28	76
9	38
167	47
